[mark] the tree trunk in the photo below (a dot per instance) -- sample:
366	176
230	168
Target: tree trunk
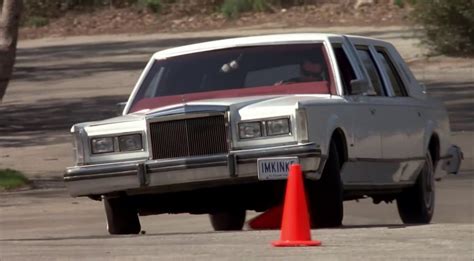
9	23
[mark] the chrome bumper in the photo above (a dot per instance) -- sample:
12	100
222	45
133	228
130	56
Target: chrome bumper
186	173
452	163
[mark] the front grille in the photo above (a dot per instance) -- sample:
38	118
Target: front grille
189	137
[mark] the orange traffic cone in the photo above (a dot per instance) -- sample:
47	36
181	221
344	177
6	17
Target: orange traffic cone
295	229
270	219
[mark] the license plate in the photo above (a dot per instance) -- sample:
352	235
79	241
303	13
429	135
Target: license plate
274	168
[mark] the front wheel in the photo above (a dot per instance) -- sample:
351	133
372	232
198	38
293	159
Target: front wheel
326	194
416	204
122	217
228	220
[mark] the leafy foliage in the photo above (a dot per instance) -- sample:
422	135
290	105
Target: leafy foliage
36	21
448	25
233	8
10	179
154	5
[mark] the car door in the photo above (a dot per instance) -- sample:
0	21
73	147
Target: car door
364	143
402	130
380	172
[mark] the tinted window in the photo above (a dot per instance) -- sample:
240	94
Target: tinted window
395	80
345	69
374	74
272	75
258	70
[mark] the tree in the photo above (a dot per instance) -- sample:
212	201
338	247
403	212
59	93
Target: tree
448	25
9	23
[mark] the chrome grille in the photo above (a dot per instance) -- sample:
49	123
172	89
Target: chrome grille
189	137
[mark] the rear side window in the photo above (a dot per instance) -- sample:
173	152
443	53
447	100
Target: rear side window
374	74
345	68
394	77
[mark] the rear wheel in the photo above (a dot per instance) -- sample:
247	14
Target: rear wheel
122	217
326	194
416	204
228	220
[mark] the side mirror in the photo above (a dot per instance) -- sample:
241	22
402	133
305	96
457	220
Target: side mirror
361	87
120	107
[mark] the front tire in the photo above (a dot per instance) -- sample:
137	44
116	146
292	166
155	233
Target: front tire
326	195
416	204
122	217
231	220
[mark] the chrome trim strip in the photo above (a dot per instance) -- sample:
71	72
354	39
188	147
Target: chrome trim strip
154	166
303	149
101	168
386	160
95	175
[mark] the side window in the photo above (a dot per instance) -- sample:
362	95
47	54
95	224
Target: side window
374	74
345	68
395	80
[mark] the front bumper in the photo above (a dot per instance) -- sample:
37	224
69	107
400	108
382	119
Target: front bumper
135	177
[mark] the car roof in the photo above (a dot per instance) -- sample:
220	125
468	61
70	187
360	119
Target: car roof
248	41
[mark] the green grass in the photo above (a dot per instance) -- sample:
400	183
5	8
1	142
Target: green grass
11	179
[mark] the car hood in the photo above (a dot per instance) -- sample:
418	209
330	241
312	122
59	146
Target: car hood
242	108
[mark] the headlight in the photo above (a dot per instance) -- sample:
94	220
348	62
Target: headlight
102	145
130	142
278	127
249	130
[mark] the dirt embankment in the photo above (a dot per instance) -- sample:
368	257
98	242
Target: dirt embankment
186	18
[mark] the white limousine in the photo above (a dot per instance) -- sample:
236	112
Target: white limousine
211	128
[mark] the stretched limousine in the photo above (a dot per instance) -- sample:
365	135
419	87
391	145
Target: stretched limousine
211	128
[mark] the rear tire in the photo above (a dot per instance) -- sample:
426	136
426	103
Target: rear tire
231	220
416	204
122	217
326	195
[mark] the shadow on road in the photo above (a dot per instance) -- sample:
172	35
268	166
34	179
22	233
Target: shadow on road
114	236
65	72
26	68
49	121
144	234
25	72
388	226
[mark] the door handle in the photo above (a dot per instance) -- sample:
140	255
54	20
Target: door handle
372	111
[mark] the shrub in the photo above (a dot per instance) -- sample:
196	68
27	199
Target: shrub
233	8
448	25
36	21
154	5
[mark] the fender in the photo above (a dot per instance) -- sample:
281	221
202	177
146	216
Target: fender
430	128
333	123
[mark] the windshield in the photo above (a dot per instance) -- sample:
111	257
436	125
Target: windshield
235	72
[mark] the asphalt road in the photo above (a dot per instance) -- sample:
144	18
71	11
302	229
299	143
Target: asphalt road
58	82
49	225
